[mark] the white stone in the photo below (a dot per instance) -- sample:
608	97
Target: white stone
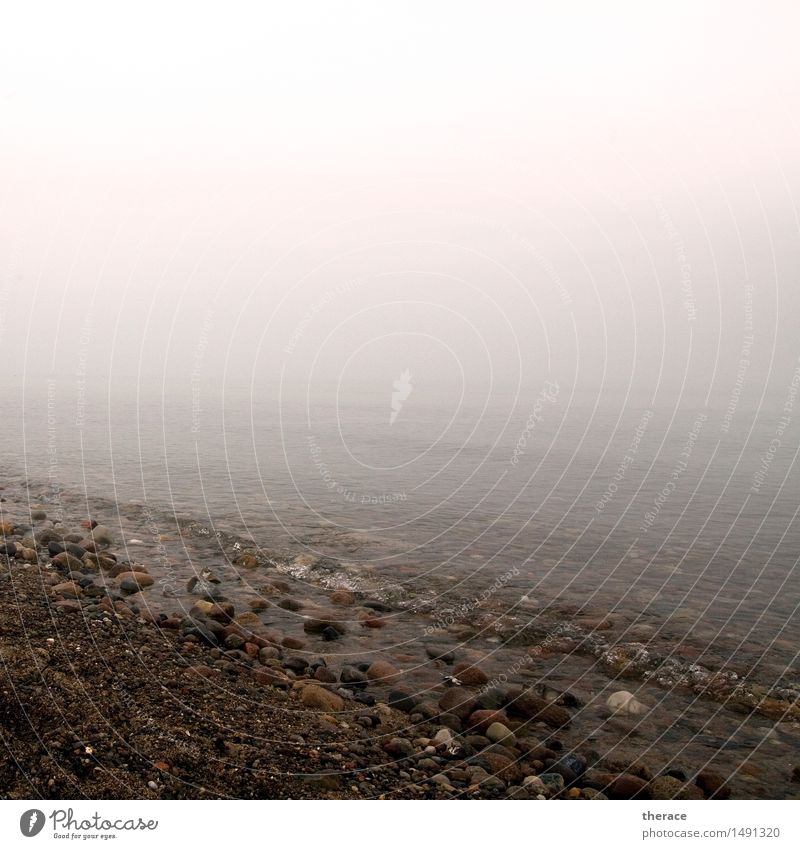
625	703
443	735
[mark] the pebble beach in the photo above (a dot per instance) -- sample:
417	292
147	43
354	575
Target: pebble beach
190	664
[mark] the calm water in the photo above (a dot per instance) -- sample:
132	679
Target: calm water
675	517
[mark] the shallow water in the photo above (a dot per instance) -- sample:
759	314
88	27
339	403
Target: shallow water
467	536
658	515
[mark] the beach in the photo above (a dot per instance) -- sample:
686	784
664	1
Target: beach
282	675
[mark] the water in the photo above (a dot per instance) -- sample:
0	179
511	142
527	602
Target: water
673	517
517	519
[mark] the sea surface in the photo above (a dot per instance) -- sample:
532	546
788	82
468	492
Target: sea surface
681	519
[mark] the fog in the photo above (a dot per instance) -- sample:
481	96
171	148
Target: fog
316	198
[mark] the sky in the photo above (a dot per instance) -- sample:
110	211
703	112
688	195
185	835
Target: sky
284	196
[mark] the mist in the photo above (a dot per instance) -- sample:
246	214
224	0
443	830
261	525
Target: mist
315	199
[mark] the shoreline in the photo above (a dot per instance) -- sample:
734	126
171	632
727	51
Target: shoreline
285	682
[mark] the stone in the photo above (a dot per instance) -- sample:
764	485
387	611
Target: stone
499	765
6	528
479	776
291	604
529	706
480	720
317	626
38	515
451	721
440	653
352	676
713	784
102	535
535	784
569	775
491	698
344	598
667	787
66	561
470	675
381	671
627	786
47	536
134	581
399	747
325	675
67	589
247	561
443	737
623	702
293	643
457	701
591	793
321	699
272	678
68	605
266	653
427	710
296	664
553	782
402	700
499	733
221	611
247	619
574	762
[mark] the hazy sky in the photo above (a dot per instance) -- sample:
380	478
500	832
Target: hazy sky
333	192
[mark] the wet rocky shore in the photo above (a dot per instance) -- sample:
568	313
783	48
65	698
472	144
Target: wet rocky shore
137	664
